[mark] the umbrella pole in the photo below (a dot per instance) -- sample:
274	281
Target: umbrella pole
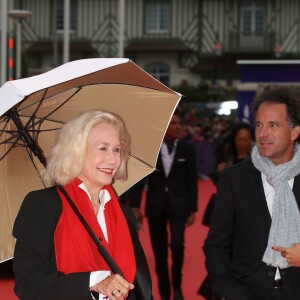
111	263
28	140
36	150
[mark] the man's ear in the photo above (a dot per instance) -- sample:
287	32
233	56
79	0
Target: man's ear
295	133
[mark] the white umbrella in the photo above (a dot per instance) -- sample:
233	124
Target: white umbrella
34	108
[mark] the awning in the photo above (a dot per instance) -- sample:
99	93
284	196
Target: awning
75	46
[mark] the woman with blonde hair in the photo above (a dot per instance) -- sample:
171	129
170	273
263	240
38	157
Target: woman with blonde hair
55	257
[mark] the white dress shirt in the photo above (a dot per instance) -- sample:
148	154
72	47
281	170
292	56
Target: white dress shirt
269	193
167	158
104	197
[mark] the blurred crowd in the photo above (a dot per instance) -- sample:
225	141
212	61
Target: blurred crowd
209	134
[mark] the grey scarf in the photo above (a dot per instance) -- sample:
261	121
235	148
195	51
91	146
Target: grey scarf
285	227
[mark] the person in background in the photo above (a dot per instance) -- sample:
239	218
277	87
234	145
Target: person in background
55	258
171	201
257	207
236	149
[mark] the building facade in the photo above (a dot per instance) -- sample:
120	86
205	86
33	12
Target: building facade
181	42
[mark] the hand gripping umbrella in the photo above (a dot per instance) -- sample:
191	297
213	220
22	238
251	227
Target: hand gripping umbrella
34	108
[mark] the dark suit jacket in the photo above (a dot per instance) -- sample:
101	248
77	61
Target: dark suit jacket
34	265
238	238
181	184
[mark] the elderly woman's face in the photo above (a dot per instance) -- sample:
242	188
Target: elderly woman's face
103	156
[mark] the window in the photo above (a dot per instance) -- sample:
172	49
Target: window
253	17
160	71
157	16
60	15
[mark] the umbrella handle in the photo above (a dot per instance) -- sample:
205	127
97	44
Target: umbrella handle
111	263
27	138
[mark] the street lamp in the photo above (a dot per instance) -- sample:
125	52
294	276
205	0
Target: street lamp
66	47
3	50
278	47
18	16
278	50
121	27
217	51
218	48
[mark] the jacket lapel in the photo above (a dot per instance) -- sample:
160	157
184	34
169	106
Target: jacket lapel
177	150
259	198
296	189
260	194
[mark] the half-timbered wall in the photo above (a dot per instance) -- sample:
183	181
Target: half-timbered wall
284	22
97	21
195	23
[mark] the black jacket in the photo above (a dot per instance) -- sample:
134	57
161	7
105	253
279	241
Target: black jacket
238	237
181	184
34	265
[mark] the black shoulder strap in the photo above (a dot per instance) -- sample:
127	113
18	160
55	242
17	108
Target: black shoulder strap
112	264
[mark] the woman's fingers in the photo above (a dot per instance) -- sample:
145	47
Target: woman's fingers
114	286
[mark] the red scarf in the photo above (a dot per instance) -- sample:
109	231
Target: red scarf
76	251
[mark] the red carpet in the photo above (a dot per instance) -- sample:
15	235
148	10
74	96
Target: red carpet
193	272
6	281
6	289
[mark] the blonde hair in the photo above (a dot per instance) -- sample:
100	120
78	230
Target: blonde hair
67	156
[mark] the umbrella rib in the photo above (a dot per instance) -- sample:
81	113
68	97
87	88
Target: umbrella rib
5	125
13	134
63	103
37	108
53	111
43	130
33	116
141	160
34	104
41	120
12	146
30	124
30	156
8	140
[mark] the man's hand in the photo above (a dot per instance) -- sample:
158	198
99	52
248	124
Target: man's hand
292	254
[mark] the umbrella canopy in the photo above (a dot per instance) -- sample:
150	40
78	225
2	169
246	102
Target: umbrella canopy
33	109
